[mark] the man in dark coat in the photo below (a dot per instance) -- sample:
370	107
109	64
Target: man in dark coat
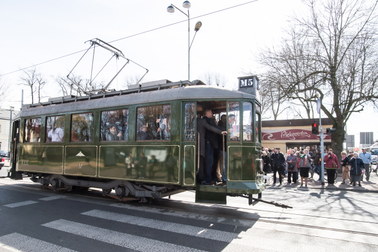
207	133
278	165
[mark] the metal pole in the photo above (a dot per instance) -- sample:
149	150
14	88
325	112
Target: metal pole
188	46
321	142
10	128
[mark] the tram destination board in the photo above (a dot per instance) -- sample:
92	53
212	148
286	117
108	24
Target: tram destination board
249	84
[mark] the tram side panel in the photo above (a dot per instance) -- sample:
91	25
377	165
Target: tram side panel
149	163
41	159
80	161
242	171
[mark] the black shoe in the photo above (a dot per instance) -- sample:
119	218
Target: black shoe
359	184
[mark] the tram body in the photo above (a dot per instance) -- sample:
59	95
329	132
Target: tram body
141	142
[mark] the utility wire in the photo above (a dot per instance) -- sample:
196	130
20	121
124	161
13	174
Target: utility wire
130	36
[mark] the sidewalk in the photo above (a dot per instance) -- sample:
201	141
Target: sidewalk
366	186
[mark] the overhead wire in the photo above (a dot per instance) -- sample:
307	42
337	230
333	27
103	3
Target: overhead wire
130	36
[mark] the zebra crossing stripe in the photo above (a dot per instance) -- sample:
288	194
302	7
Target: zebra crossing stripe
22	203
114	237
52	198
207	233
187	215
19	242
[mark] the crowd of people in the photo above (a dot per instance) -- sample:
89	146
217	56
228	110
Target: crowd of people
304	163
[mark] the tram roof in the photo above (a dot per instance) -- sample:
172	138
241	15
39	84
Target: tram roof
195	90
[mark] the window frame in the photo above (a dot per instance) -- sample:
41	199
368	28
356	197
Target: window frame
137	125
25	130
46	128
90	127
127	125
184	123
251	117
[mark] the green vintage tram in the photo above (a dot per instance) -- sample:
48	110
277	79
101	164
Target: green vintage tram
141	142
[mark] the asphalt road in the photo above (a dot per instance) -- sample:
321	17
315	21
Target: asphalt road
36	219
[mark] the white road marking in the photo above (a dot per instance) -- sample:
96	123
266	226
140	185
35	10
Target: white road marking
164	225
188	215
18	242
22	203
52	198
114	237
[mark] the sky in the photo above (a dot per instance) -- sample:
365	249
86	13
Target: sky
226	47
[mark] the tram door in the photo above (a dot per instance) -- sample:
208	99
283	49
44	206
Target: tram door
14	149
213	144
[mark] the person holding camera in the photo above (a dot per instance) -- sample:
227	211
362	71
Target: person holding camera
331	162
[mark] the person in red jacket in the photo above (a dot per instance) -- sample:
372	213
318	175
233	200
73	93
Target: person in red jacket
331	162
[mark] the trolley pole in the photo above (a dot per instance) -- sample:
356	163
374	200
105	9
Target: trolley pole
321	135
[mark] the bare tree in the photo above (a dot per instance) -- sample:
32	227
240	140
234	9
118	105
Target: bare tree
132	80
76	85
3	88
331	54
271	96
214	79
35	82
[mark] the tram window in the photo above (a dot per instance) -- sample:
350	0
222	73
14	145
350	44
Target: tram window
153	122
233	118
54	129
114	125
247	121
258	127
32	130
189	127
81	127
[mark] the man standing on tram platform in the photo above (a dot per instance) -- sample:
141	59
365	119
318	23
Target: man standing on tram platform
207	135
366	158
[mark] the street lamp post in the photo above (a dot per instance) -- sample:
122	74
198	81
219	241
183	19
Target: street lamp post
321	135
10	127
186	4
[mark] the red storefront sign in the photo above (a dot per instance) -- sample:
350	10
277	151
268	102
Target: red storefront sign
292	135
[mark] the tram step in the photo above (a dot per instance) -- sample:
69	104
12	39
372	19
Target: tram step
204	194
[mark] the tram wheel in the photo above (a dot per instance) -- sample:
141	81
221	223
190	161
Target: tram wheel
55	184
120	191
106	191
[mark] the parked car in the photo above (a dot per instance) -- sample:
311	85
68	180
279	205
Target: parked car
374	156
4	164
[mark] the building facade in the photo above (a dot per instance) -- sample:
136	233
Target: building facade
285	134
6	115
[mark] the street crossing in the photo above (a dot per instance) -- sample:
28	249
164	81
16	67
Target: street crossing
159	233
19	242
34	221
